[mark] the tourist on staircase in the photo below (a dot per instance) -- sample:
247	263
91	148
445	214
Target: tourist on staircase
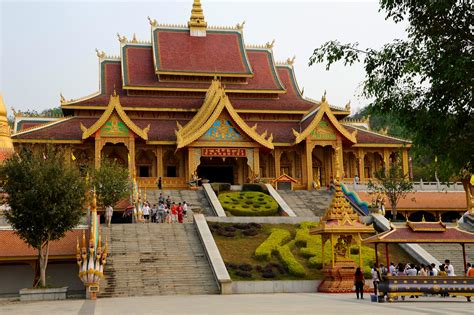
180	213
154	213
109	212
174	213
146	212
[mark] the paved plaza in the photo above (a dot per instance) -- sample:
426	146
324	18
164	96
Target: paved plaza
308	303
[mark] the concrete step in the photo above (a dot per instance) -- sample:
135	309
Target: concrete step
307	203
153	259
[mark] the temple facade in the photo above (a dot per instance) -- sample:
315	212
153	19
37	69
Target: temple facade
195	100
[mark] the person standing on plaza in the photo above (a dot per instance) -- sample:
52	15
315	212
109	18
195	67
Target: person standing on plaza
159	183
392	269
359	282
185	209
449	268
109	212
375	279
180	213
356	182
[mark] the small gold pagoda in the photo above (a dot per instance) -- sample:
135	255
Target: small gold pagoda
6	144
342	227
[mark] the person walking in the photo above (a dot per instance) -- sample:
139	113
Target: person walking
168	202
146	212
109	212
359	282
185	209
154	213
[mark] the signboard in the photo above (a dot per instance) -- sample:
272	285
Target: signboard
223	152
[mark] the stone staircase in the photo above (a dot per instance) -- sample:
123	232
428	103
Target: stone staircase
307	203
194	198
453	252
156	259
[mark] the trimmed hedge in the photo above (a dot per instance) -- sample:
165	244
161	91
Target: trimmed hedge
276	238
290	262
220	187
248	203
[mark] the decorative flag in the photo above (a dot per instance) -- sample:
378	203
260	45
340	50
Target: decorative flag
72	156
472	180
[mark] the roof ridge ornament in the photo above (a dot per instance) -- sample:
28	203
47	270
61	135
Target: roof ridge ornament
270	45
197	23
240	26
291	61
122	39
153	23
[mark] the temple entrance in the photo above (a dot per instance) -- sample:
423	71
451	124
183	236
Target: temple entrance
116	152
221	170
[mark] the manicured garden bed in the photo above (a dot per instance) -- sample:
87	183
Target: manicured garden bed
280	251
248	203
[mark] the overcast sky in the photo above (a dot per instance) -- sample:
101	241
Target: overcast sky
49	47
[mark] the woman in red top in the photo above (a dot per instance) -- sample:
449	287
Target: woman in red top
180	213
174	213
359	282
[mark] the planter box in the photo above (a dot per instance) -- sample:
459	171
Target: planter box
43	294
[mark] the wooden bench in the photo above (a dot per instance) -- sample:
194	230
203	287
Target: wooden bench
402	286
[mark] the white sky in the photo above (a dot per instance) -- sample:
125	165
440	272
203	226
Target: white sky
49	47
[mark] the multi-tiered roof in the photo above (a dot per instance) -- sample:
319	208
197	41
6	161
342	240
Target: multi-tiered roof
173	73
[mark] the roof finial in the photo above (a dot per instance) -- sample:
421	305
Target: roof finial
121	39
323	99
100	54
115	91
63	100
302	91
291	61
269	45
134	39
240	26
153	23
197	24
348	106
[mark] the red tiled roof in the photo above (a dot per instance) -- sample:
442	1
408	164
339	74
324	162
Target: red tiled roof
12	246
138	71
428	200
220	52
281	130
365	136
404	234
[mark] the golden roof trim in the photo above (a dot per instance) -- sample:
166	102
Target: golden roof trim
214	103
324	109
114	104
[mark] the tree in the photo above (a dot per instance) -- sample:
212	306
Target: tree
425	81
392	183
111	182
46	197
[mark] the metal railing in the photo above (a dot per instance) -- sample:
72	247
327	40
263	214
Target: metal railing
417	185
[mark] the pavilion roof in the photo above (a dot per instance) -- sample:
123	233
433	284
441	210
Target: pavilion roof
220	52
372	137
422	232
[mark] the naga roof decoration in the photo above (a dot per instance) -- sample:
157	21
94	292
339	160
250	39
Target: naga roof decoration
214	103
318	115
114	105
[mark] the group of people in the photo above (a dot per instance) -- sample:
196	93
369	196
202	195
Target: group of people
408	269
167	211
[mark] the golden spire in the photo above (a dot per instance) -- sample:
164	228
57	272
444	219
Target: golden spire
197	24
6	144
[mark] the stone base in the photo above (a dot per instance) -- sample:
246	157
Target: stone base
43	294
338	279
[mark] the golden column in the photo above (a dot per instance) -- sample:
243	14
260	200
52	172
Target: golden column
405	166
309	163
277	155
360	157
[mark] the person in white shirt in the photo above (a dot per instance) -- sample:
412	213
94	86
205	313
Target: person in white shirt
392	269
109	212
146	212
412	270
435	270
375	278
449	268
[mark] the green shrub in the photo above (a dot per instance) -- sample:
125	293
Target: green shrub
248	203
276	238
354	251
302	233
290	262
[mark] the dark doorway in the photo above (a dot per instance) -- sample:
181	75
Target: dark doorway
217	173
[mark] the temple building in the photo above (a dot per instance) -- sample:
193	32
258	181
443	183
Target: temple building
197	99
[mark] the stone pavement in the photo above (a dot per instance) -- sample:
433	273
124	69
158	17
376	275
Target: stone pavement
307	203
261	304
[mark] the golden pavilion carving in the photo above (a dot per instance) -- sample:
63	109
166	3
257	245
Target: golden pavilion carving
196	99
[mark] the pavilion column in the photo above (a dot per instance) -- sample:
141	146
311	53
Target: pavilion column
276	156
405	168
304	171
386	158
323	242
464	256
376	254
97	151
360	157
360	254
159	161
256	162
387	255
332	250
339	159
309	163
131	151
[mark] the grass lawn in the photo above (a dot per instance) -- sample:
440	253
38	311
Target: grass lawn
240	250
